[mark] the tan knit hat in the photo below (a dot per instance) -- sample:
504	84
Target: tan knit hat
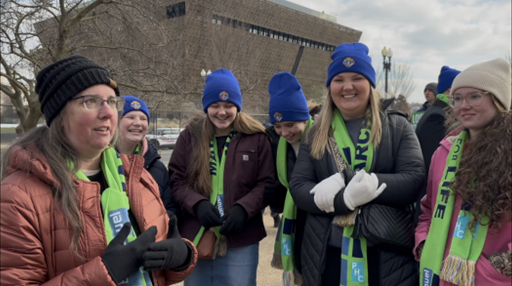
492	76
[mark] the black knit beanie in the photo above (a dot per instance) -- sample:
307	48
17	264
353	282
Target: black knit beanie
59	82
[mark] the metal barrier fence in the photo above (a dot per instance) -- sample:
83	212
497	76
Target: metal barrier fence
178	118
159	118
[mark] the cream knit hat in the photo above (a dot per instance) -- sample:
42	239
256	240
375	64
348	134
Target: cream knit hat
492	76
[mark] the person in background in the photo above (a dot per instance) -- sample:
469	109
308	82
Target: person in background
382	149
431	128
314	110
133	127
220	167
290	116
464	235
74	211
430	92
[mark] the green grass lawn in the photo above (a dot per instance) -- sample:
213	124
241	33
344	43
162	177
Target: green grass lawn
3	146
8	130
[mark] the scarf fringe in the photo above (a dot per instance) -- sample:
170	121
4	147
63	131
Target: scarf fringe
345	220
458	271
292	278
222	246
277	261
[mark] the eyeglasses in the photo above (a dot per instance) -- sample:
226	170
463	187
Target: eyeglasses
472	99
94	102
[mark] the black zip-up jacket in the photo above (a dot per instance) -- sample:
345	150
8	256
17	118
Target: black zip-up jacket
398	163
430	131
276	194
160	174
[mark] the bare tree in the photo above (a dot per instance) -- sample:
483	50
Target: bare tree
127	36
400	79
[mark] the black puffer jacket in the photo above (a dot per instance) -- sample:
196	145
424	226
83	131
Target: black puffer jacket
430	131
160	174
399	164
276	194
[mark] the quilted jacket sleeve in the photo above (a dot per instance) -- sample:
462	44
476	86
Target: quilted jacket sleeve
173	277
405	182
22	257
304	178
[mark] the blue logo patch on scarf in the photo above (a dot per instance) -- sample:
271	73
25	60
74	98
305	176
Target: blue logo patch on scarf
117	219
357	272
286	246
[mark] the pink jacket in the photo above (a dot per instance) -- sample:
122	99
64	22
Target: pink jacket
485	273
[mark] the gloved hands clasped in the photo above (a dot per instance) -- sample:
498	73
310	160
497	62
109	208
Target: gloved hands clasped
232	222
363	188
207	214
325	191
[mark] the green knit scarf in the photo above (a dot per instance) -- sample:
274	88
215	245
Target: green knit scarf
285	240
354	265
217	196
459	266
115	205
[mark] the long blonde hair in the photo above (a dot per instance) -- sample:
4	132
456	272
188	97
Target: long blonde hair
57	149
323	127
199	178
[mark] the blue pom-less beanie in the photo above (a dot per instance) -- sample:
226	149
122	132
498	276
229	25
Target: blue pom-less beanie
446	78
352	57
132	103
287	101
221	85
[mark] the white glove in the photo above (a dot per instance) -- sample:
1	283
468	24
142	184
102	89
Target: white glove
362	189
326	190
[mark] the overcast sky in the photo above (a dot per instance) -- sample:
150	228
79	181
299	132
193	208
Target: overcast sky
427	34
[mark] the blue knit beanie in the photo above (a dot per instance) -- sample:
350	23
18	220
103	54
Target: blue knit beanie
352	57
446	78
287	101
221	85
132	103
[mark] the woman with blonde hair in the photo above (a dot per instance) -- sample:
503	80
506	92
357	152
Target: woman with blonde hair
464	236
219	169
355	156
74	211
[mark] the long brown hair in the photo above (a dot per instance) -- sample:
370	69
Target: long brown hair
484	178
199	178
57	149
323	127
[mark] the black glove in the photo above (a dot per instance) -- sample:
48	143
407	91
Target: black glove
234	220
167	254
122	260
207	214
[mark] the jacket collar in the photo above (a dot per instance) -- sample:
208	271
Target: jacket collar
448	140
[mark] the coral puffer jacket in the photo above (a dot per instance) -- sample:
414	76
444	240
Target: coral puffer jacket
35	236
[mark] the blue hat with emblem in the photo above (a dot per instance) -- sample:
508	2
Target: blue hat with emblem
221	85
287	101
132	103
351	57
446	77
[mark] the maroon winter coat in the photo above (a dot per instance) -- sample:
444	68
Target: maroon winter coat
249	167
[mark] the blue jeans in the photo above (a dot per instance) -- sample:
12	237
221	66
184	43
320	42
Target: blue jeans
237	268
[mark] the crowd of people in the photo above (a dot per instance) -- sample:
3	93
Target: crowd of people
367	197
